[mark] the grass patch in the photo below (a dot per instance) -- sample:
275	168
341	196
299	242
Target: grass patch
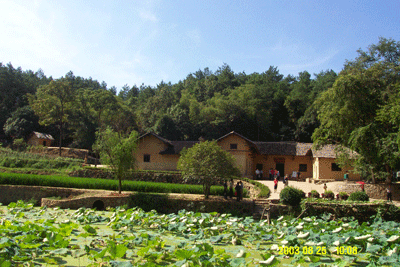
264	190
105	184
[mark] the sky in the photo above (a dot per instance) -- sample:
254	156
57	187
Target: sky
145	42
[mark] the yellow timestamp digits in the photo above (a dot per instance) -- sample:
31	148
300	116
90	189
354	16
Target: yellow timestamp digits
289	250
346	250
305	250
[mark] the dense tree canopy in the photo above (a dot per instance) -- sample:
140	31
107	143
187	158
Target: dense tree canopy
358	108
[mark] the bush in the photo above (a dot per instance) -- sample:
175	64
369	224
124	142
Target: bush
314	194
358	196
329	194
19	144
291	196
343	195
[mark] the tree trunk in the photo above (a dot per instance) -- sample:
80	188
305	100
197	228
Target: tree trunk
373	176
119	184
389	177
206	189
61	134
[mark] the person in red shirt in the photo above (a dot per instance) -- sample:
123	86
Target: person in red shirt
275	185
271	174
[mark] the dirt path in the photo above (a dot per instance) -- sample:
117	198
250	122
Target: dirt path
305	186
336	187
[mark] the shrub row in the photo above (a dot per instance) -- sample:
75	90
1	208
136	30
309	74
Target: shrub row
15	159
264	190
292	196
105	184
39	163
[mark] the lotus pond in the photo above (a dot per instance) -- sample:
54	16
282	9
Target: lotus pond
32	236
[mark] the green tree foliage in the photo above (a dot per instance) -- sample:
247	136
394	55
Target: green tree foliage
15	84
52	103
358	196
291	196
356	111
117	151
208	163
22	122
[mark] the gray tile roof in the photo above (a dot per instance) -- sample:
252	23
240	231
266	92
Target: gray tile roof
328	151
264	148
43	136
177	147
284	148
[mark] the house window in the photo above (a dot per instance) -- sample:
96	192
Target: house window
44	143
336	168
303	167
233	146
146	158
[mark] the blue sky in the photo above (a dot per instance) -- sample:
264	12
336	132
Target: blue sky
135	42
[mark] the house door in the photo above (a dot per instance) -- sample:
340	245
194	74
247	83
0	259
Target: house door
281	168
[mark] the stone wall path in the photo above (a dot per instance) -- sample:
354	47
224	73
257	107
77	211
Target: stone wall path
336	187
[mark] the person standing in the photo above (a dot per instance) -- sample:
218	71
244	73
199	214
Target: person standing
258	174
325	187
237	191
241	190
389	194
346	176
231	189
271	174
275	185
286	180
225	190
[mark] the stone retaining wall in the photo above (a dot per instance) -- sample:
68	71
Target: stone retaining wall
375	191
13	193
98	202
165	203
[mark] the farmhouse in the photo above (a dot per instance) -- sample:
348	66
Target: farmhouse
37	139
157	153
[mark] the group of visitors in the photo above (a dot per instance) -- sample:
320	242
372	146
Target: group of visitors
274	173
238	190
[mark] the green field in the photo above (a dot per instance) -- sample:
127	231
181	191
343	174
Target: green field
32	236
105	184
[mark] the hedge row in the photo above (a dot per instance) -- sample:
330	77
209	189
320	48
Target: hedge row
105	184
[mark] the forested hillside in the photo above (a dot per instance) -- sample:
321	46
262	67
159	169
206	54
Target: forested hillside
262	106
358	108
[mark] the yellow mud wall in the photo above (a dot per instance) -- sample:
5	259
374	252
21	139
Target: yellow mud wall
152	146
323	170
291	164
241	154
34	141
